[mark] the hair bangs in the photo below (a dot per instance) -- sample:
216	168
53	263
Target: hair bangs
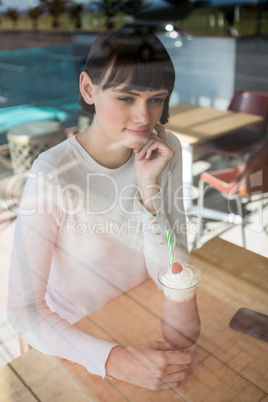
140	70
149	76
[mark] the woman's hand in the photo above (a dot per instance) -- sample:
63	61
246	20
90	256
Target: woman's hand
152	157
153	365
150	161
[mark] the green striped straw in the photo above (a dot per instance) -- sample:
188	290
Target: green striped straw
170	248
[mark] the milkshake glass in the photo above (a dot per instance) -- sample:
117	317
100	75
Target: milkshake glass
180	323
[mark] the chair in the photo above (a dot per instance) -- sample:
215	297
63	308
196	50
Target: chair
249	179
242	140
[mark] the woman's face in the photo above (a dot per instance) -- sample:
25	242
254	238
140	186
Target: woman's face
127	117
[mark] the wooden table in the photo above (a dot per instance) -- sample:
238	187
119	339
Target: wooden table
231	366
194	124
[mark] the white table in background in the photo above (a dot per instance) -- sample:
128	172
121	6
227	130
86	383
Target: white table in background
194	124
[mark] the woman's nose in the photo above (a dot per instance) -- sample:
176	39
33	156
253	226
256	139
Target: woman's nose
141	114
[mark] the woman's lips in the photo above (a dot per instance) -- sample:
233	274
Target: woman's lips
139	133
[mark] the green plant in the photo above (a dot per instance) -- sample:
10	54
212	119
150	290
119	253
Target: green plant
12	14
34	14
110	9
75	12
55	8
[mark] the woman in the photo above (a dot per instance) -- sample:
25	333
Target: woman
95	210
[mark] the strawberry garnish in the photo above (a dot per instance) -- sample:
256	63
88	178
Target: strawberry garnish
176	268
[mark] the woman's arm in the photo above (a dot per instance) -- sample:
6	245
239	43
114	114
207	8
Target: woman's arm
168	213
150	162
35	236
180	321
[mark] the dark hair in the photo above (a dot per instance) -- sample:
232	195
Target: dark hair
136	57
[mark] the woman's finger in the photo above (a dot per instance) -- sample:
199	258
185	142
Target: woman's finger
151	146
153	136
178	376
161	132
147	153
144	147
173	380
175	368
162	149
140	154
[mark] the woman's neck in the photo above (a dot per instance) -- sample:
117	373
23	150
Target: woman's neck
109	154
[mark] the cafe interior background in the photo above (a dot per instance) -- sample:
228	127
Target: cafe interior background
217	47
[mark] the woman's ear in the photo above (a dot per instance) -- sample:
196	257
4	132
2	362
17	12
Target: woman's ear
86	88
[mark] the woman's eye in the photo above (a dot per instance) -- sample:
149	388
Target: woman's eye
157	100
126	99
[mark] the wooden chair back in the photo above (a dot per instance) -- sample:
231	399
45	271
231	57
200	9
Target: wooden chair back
254	103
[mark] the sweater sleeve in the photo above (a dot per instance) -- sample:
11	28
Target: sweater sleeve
168	204
38	222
